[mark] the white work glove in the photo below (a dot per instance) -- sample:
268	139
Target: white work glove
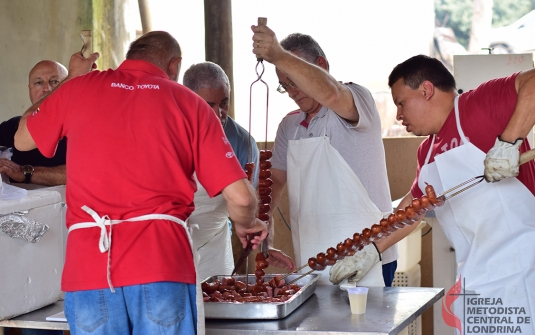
355	267
502	160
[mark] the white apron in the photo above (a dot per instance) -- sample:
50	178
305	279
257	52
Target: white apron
492	228
328	203
212	238
105	246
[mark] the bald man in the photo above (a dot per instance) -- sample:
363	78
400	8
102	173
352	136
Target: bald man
32	166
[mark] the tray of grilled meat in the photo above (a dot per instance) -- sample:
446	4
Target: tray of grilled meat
230	298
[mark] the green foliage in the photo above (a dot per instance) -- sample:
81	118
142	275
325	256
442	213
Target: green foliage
506	12
457	14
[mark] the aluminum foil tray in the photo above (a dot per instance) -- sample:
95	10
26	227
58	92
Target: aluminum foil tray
261	310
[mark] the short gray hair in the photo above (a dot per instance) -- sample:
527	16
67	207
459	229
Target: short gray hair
205	75
307	47
156	47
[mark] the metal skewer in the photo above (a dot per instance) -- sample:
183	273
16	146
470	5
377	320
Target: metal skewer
87	39
294	271
263	249
262	21
470	183
301	276
524	158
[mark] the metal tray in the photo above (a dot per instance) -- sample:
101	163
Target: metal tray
261	310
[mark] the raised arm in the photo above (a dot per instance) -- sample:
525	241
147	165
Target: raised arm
503	159
313	79
523	118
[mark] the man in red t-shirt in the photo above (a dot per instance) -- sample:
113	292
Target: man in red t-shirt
482	132
136	137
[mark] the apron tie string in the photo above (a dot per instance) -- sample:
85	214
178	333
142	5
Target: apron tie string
104	243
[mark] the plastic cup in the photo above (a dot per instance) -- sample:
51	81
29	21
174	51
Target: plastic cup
357	299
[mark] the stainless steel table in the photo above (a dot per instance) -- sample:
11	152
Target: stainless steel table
389	311
37	319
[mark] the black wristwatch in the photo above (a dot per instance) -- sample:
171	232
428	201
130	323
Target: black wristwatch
28	172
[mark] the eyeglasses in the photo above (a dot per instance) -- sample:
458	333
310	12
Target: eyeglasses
283	88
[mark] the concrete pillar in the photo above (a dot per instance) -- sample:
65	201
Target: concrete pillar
31	31
218	39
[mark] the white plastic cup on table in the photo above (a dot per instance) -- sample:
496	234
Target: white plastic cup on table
357	299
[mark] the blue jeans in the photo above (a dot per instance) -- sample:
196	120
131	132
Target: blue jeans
389	271
155	308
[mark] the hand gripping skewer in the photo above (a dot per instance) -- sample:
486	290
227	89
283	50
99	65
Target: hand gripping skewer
87	47
524	158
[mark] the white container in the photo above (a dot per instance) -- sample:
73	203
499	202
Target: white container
410	278
30	273
410	249
358	297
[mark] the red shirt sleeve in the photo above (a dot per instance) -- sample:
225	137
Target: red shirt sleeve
46	124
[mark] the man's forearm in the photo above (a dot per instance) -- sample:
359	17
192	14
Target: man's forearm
399	234
241	203
317	83
49	176
523	118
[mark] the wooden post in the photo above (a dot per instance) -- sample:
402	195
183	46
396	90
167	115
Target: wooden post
144	12
218	39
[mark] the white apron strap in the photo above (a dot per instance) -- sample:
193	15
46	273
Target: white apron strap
104	243
458	121
105	246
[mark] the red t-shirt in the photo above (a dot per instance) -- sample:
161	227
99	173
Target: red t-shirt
135	140
484	113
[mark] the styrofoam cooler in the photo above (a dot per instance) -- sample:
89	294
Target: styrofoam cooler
410	249
408	273
30	273
410	278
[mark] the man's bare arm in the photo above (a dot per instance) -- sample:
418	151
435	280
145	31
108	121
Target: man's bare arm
523	118
241	205
313	80
49	176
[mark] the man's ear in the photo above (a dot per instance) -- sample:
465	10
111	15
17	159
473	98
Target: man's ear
173	69
322	62
428	89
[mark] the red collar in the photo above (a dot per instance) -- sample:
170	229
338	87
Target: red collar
141	65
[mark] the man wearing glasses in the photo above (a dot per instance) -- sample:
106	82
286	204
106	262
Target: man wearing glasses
330	152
